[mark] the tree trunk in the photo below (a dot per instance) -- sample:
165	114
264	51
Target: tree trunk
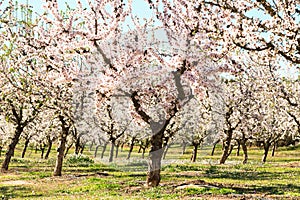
1	150
77	146
166	148
238	148
117	150
61	147
155	155
96	151
122	146
60	155
82	148
274	149
214	147
140	149
194	155
131	148
227	146
68	149
49	149
103	150
92	144
183	148
43	151
266	151
25	147
111	154
143	152
11	148
244	147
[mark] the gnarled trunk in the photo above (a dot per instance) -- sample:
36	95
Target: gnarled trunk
11	148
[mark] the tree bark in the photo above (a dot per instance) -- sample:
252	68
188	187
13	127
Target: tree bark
194	155
244	147
11	148
67	150
25	147
131	148
274	149
214	147
266	151
143	152
82	148
111	154
183	148
227	146
166	148
92	144
117	150
1	150
42	151
60	155
61	147
96	151
238	148
49	149
155	155
103	150
77	146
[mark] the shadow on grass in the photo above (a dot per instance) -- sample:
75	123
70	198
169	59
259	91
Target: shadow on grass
8	192
277	189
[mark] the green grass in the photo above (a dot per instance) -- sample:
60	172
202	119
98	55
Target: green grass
88	178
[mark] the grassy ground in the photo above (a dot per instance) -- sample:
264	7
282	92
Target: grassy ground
279	178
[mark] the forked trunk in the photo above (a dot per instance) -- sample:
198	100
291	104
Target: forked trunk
11	148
